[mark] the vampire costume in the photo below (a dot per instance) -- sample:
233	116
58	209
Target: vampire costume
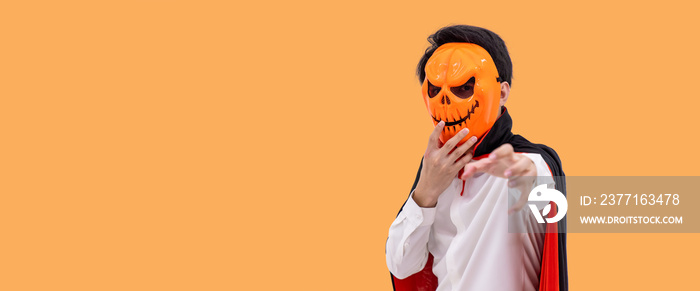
464	236
553	272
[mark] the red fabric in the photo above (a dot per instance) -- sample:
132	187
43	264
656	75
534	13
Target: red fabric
549	274
424	280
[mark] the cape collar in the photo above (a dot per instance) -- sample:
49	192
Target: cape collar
499	134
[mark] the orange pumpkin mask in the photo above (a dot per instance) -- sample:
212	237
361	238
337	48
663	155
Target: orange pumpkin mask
462	88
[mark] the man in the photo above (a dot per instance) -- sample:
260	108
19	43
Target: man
452	231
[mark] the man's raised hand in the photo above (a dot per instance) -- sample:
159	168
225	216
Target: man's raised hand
505	163
441	163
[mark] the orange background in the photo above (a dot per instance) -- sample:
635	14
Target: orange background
199	145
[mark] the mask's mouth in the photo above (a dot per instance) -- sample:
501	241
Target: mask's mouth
463	119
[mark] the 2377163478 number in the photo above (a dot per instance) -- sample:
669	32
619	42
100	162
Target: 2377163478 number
640	199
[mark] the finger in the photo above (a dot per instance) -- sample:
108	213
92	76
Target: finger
517	169
523	175
450	144
460	150
524	193
479	166
519	204
434	139
459	164
504	150
520	181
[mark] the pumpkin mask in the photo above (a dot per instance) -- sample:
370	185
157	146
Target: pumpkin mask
462	88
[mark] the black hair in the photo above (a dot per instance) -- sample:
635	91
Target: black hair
482	37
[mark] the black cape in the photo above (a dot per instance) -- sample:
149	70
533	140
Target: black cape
498	135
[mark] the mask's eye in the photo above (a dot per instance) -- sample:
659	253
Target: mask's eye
465	91
432	90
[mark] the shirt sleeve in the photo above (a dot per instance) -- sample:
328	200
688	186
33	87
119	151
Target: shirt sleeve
544	175
407	245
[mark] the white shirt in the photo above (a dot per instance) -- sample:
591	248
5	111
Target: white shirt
468	237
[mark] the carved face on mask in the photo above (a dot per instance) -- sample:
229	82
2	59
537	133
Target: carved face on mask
462	88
